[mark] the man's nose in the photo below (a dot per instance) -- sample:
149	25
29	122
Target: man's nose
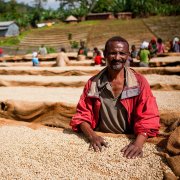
117	56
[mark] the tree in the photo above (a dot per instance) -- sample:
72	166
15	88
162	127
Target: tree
87	5
103	6
2	7
12	8
39	3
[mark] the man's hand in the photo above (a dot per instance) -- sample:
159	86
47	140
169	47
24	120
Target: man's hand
96	142
134	150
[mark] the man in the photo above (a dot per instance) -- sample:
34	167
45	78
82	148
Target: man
144	55
1	52
35	60
62	58
82	52
117	100
42	50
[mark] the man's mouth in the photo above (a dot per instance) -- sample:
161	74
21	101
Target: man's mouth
114	62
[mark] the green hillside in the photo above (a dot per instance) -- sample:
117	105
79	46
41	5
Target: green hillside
95	33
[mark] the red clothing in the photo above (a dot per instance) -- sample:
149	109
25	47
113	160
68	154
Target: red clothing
1	51
136	97
98	60
160	48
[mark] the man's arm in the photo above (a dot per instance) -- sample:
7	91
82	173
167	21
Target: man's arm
146	120
96	142
66	59
134	149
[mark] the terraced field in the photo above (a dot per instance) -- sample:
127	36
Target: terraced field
95	33
54	37
164	27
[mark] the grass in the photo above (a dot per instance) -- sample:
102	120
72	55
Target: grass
14	41
166	27
9	41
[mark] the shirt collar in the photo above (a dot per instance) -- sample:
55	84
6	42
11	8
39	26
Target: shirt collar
131	86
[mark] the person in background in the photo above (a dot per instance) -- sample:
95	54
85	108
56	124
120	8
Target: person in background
160	46
62	58
98	55
1	52
175	45
35	60
144	55
98	58
42	50
153	47
134	51
117	100
170	46
82	52
96	50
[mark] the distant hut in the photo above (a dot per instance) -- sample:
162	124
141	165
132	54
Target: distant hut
100	16
71	19
9	28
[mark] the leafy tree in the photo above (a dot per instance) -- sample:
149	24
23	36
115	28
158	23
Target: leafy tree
144	7
2	7
11	9
35	18
88	5
103	6
39	3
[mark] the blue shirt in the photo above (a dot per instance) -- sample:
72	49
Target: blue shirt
35	61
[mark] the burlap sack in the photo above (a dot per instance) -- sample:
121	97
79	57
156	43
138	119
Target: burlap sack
173	145
51	114
169	176
174	163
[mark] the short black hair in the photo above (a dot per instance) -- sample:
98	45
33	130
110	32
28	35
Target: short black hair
63	49
115	38
159	40
95	49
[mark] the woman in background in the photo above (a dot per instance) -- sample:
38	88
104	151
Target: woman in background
35	60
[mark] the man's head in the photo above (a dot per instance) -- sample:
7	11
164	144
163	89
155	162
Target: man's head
95	49
82	44
133	47
63	49
159	40
34	54
116	53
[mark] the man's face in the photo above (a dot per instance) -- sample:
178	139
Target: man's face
117	55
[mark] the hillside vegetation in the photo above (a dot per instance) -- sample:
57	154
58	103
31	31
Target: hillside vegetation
95	33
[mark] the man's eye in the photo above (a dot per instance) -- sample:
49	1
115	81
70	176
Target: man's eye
115	53
122	53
